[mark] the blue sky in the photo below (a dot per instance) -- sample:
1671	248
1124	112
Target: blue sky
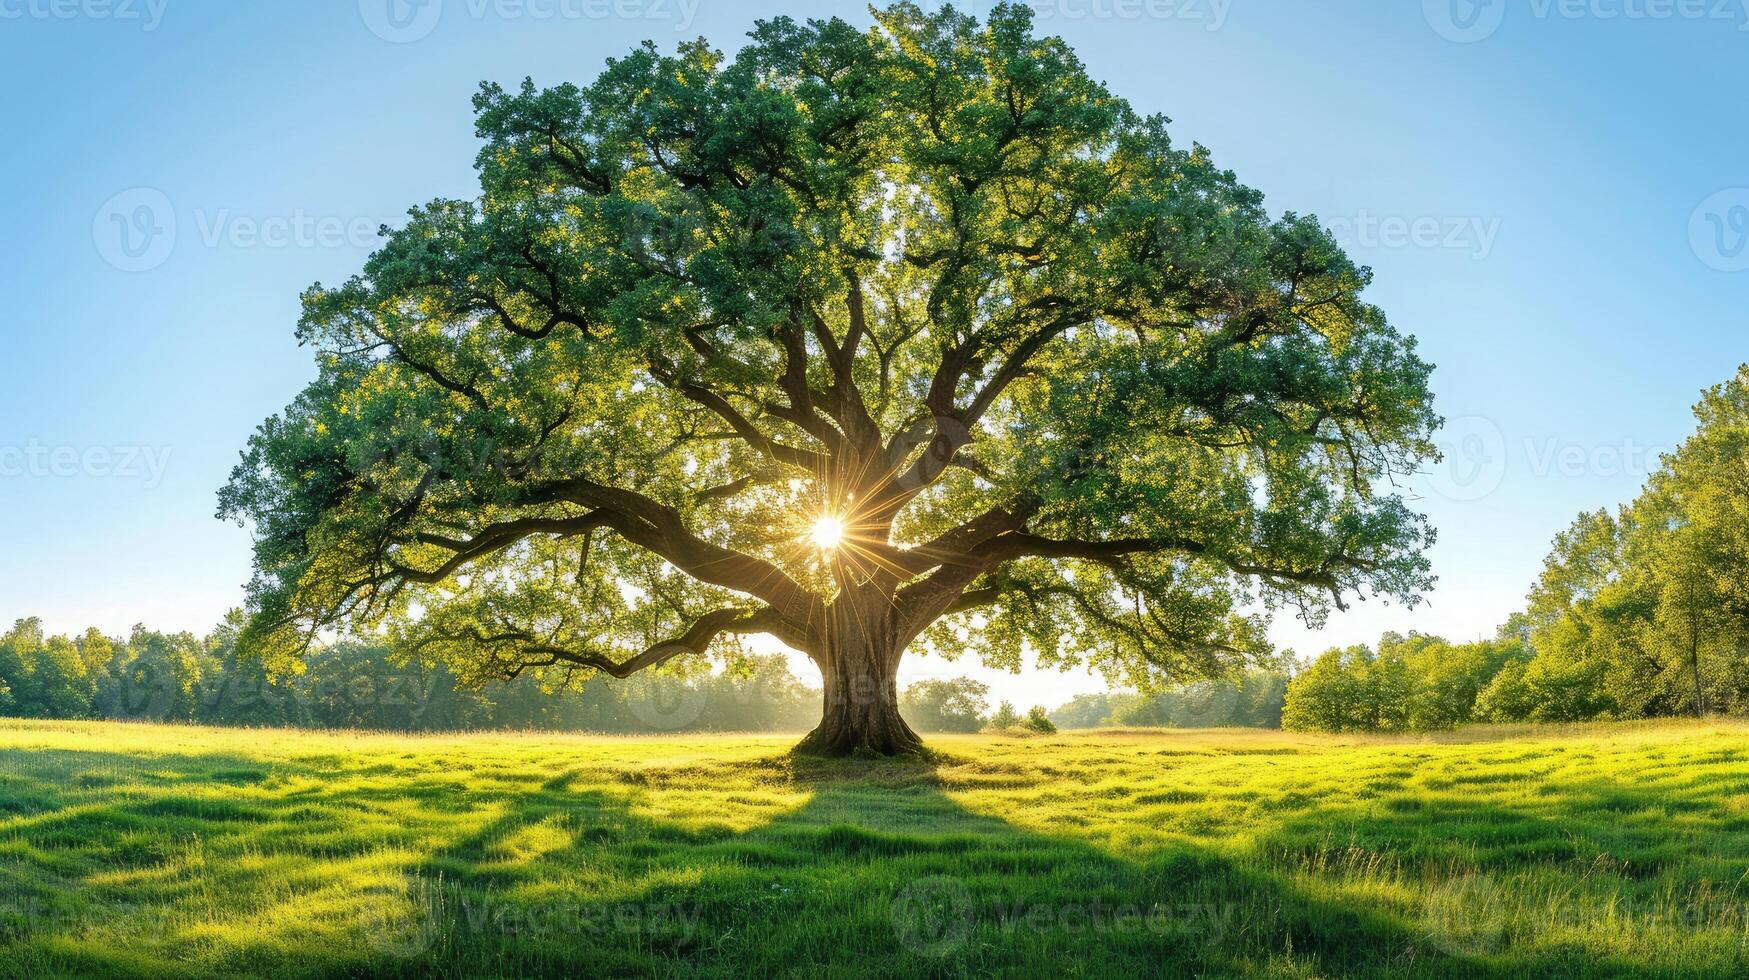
1554	195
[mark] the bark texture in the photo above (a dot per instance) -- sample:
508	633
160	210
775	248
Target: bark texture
859	665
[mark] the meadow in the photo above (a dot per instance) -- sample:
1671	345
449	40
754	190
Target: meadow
1577	851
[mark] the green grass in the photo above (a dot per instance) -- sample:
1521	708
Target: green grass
1600	851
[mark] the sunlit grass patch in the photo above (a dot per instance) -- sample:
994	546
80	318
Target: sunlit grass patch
1595	851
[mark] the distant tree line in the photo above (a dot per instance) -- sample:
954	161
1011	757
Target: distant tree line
946	705
1411	683
179	677
961	704
1250	700
1639	613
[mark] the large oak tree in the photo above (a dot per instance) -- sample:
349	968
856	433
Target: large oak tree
863	339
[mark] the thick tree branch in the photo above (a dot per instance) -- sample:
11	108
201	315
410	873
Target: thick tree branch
955	427
535	651
780	452
492	539
944	589
659	529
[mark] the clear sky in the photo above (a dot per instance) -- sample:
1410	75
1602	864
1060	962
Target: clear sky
1554	195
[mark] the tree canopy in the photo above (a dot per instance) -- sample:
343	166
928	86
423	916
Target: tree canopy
857	338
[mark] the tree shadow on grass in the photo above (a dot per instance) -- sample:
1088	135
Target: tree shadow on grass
875	870
881	873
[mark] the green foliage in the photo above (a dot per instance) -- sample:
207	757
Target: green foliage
1005	717
1636	614
1643	613
1084	711
1067	383
1508	697
154	676
1332	694
1253	699
1413	683
43	677
1039	721
1448	678
956	705
1549	689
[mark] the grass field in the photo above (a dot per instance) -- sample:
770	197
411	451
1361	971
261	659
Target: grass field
1603	851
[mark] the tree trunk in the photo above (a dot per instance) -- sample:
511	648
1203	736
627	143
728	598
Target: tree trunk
1694	665
860	669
